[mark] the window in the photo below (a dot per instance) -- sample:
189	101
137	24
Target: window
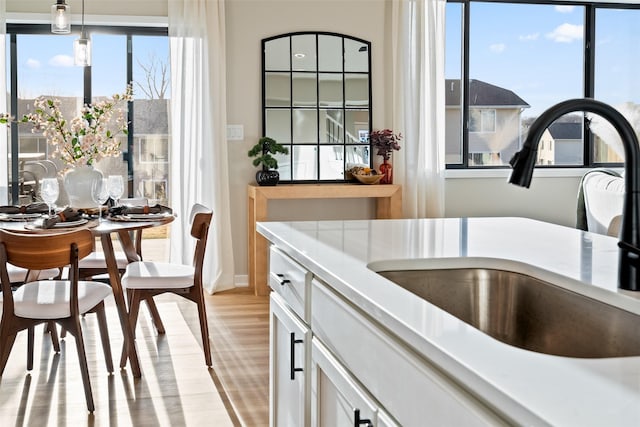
481	120
499	78
41	64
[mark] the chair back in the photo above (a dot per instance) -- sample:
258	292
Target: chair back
200	219
44	251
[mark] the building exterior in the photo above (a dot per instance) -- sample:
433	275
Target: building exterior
494	123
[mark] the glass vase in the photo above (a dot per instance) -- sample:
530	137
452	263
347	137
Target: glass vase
78	183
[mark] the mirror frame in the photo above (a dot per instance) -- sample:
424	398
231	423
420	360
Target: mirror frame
295	146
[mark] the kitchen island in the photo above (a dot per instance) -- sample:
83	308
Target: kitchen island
505	384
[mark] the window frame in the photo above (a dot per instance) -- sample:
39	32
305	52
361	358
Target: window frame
15	29
590	9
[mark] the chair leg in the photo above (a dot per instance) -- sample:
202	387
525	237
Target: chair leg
7	339
30	338
204	328
53	331
153	310
104	335
73	326
134	308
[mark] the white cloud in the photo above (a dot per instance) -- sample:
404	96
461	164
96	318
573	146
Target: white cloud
566	33
61	61
32	63
498	47
564	9
529	37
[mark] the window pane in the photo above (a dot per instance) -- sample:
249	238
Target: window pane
616	76
453	73
45	68
108	77
530	62
152	88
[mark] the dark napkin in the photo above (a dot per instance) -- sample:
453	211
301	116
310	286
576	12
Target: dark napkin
66	215
126	210
38	207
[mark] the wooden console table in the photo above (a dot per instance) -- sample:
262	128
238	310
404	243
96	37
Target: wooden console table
388	206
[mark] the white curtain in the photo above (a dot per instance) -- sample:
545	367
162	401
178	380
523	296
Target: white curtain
199	169
418	37
4	131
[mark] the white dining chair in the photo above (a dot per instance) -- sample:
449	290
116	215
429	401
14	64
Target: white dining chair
145	279
46	301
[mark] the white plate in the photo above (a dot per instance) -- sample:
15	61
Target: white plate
68	224
19	216
147	217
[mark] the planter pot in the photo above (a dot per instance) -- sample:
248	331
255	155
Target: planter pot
78	182
266	177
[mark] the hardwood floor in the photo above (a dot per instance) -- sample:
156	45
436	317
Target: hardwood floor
176	388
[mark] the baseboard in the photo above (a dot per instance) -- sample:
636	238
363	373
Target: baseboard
241	280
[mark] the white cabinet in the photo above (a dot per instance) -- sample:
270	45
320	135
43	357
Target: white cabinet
288	366
411	389
333	365
337	399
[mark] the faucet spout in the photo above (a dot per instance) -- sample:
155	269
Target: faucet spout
524	161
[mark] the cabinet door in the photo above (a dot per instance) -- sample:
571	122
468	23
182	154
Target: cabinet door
336	398
288	363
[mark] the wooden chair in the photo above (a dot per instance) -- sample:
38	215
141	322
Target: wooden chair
43	301
145	279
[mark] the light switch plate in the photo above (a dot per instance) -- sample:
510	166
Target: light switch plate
235	132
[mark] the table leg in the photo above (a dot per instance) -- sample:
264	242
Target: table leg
118	294
260	249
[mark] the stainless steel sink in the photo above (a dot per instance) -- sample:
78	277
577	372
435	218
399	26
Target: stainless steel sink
526	312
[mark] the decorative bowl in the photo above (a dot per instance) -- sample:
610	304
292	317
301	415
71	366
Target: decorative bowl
368	179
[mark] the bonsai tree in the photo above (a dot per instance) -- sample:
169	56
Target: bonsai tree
263	151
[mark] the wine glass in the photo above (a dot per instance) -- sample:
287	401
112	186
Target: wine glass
116	188
49	191
100	193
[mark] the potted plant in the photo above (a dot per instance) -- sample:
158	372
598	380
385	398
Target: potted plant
262	152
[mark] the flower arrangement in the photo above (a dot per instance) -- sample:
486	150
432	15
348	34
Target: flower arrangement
385	141
88	137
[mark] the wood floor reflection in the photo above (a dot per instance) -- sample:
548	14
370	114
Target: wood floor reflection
176	388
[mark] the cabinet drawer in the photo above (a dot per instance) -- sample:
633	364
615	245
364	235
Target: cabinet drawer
291	281
412	390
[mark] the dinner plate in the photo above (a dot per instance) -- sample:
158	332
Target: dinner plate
69	224
19	216
148	217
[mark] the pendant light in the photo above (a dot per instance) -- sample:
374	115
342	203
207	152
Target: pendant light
82	46
60	18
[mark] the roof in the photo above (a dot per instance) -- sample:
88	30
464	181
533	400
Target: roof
566	130
483	94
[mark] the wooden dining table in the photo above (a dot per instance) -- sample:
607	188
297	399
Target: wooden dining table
105	229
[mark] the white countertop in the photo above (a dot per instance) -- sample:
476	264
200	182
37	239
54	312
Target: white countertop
531	387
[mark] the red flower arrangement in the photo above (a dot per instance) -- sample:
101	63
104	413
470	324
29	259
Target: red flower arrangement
385	141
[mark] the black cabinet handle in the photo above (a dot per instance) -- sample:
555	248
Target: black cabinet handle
357	422
283	281
294	341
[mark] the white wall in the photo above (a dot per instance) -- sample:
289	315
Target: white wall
552	199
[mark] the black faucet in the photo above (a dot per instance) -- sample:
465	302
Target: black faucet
524	161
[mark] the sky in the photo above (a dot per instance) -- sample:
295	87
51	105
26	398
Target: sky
46	62
536	51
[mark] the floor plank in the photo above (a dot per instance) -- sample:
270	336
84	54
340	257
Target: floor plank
176	388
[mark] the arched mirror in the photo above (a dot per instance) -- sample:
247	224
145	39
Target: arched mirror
316	101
